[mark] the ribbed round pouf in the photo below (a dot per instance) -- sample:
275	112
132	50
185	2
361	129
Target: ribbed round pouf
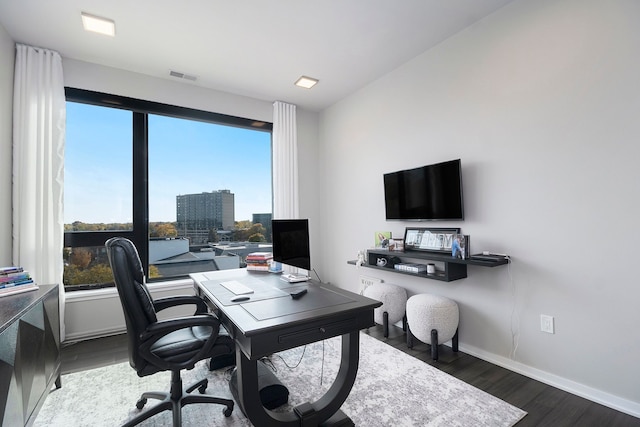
426	312
394	302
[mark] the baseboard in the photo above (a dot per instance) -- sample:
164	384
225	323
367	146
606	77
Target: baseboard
94	333
590	393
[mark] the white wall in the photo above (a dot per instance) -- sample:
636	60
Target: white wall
7	61
540	101
84	75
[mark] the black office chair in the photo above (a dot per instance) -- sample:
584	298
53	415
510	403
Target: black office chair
165	345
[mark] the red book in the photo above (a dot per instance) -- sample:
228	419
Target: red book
260	256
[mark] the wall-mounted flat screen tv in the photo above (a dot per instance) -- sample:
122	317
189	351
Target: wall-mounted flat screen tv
291	242
427	193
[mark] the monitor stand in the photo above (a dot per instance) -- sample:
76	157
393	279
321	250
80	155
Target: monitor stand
294	278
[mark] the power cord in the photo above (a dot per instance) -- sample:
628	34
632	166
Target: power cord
304	349
228	372
319	280
322	364
274	369
515	316
269	363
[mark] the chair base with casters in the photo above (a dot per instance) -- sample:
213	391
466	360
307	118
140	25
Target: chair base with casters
176	399
432	319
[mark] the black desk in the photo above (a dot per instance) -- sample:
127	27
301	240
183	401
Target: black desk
272	321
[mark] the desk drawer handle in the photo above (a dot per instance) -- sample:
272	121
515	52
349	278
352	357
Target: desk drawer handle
305	334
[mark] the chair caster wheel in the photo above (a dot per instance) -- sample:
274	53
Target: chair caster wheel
227	412
140	403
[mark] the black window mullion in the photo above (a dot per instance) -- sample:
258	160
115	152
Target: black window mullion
92	238
141	187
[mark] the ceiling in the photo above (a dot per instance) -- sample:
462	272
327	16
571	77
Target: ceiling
255	48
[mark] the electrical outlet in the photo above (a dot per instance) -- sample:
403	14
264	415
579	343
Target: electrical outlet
546	324
366	281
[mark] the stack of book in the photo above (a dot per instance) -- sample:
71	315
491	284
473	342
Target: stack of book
411	268
259	261
14	280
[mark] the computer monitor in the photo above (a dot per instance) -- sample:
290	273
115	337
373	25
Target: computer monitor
290	239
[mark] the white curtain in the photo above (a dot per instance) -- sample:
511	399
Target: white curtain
38	166
285	161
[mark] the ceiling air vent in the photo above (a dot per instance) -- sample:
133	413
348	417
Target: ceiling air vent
182	76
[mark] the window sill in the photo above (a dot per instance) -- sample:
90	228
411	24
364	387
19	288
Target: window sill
100	293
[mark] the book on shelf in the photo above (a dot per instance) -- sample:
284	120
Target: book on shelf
14	283
257	267
14	280
411	268
260	256
259	261
13	277
10	270
18	289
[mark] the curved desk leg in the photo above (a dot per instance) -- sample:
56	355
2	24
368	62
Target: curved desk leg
307	414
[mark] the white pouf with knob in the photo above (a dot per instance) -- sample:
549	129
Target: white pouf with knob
432	319
394	303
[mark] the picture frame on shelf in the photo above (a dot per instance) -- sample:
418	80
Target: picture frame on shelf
460	247
436	240
382	239
397	245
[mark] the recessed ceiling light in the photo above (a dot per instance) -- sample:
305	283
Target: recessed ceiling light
98	25
306	82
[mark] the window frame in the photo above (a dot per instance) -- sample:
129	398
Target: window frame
141	109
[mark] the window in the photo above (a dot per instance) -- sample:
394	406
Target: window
184	185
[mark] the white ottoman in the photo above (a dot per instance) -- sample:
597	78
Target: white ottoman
432	319
394	303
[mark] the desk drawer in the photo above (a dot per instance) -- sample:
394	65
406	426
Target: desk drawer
316	333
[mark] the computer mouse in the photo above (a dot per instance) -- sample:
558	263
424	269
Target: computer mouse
298	294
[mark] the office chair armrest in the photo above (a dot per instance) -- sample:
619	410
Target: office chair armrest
164	327
162	303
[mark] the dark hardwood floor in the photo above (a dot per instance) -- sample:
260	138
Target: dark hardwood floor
546	405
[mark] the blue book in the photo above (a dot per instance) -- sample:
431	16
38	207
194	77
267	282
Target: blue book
16	283
13	276
11	269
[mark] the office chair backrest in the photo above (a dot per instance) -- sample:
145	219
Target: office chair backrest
136	301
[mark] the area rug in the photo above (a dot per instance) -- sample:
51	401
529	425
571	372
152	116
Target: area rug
391	389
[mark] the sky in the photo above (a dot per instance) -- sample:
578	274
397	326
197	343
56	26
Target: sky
185	157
